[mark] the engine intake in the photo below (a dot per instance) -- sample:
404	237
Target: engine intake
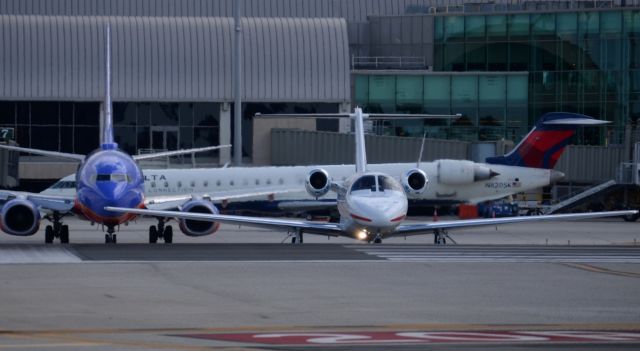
459	172
19	217
415	182
192	227
318	182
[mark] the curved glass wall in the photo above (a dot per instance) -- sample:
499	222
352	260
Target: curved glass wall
586	62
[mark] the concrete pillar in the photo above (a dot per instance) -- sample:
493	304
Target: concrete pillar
225	132
344	123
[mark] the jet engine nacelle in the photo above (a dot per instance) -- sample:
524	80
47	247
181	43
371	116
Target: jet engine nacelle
192	227
459	172
318	182
19	217
415	182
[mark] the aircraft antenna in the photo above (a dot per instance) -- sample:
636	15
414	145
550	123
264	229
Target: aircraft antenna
424	136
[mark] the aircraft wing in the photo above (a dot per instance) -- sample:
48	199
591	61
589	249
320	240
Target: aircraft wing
178	152
43	202
74	157
307	205
428	227
170	202
324	228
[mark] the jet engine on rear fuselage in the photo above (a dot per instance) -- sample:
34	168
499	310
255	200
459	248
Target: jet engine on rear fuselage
19	217
459	172
318	182
415	182
198	228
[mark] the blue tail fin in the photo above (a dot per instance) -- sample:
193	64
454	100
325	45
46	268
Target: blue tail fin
544	144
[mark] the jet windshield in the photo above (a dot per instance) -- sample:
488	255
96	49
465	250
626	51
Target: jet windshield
388	183
113	177
367	182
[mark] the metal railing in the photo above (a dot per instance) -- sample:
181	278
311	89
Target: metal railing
388	62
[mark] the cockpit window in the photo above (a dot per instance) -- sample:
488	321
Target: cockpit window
64	184
113	177
367	182
387	183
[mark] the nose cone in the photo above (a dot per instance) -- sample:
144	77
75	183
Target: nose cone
556	176
379	212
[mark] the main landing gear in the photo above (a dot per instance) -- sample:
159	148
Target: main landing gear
56	230
440	237
296	238
161	232
110	237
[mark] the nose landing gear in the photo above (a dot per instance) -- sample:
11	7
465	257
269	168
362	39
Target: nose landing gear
110	237
440	237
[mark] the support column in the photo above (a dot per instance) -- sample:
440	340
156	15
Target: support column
224	133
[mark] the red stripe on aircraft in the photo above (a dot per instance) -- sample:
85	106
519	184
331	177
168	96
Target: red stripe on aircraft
360	218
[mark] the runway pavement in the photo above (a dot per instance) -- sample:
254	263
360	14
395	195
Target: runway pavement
571	286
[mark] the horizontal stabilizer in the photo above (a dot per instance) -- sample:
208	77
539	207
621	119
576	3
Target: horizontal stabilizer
178	152
75	157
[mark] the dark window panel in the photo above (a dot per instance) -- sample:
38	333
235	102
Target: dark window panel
186	137
124	113
590	57
476	54
206	136
206	114
85	139
66	113
22	113
186	114
143	114
544	55
454	57
23	135
519	27
475	28
164	114
496	27
143	137
543	26
497	56
66	139
518	56
125	137
45	137
569	86
44	113
7	113
568	54
87	114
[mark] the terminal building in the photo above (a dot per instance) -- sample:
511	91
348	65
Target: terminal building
501	64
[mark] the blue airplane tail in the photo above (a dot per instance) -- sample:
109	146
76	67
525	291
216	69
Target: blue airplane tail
544	144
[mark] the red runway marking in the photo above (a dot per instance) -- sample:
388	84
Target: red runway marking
373	338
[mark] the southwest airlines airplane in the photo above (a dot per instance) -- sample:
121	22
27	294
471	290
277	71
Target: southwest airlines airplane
106	177
372	204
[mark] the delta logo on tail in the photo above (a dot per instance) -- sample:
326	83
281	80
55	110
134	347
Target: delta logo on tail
544	144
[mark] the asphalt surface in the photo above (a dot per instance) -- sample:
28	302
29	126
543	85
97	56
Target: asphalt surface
571	286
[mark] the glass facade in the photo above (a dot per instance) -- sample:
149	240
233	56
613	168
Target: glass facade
74	126
484	100
586	62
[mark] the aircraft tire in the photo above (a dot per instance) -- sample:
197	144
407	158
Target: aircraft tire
168	234
107	239
48	235
114	239
153	234
64	234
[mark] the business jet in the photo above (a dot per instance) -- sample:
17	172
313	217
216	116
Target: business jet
372	205
106	177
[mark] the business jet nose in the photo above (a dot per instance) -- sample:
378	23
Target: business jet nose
556	176
381	212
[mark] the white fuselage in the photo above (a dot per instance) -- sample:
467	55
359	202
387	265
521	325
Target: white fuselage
373	209
510	180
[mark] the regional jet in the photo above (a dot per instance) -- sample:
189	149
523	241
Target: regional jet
372	205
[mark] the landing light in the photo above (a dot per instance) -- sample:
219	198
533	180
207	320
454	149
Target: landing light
362	235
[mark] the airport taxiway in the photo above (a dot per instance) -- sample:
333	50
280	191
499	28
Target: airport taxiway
242	289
